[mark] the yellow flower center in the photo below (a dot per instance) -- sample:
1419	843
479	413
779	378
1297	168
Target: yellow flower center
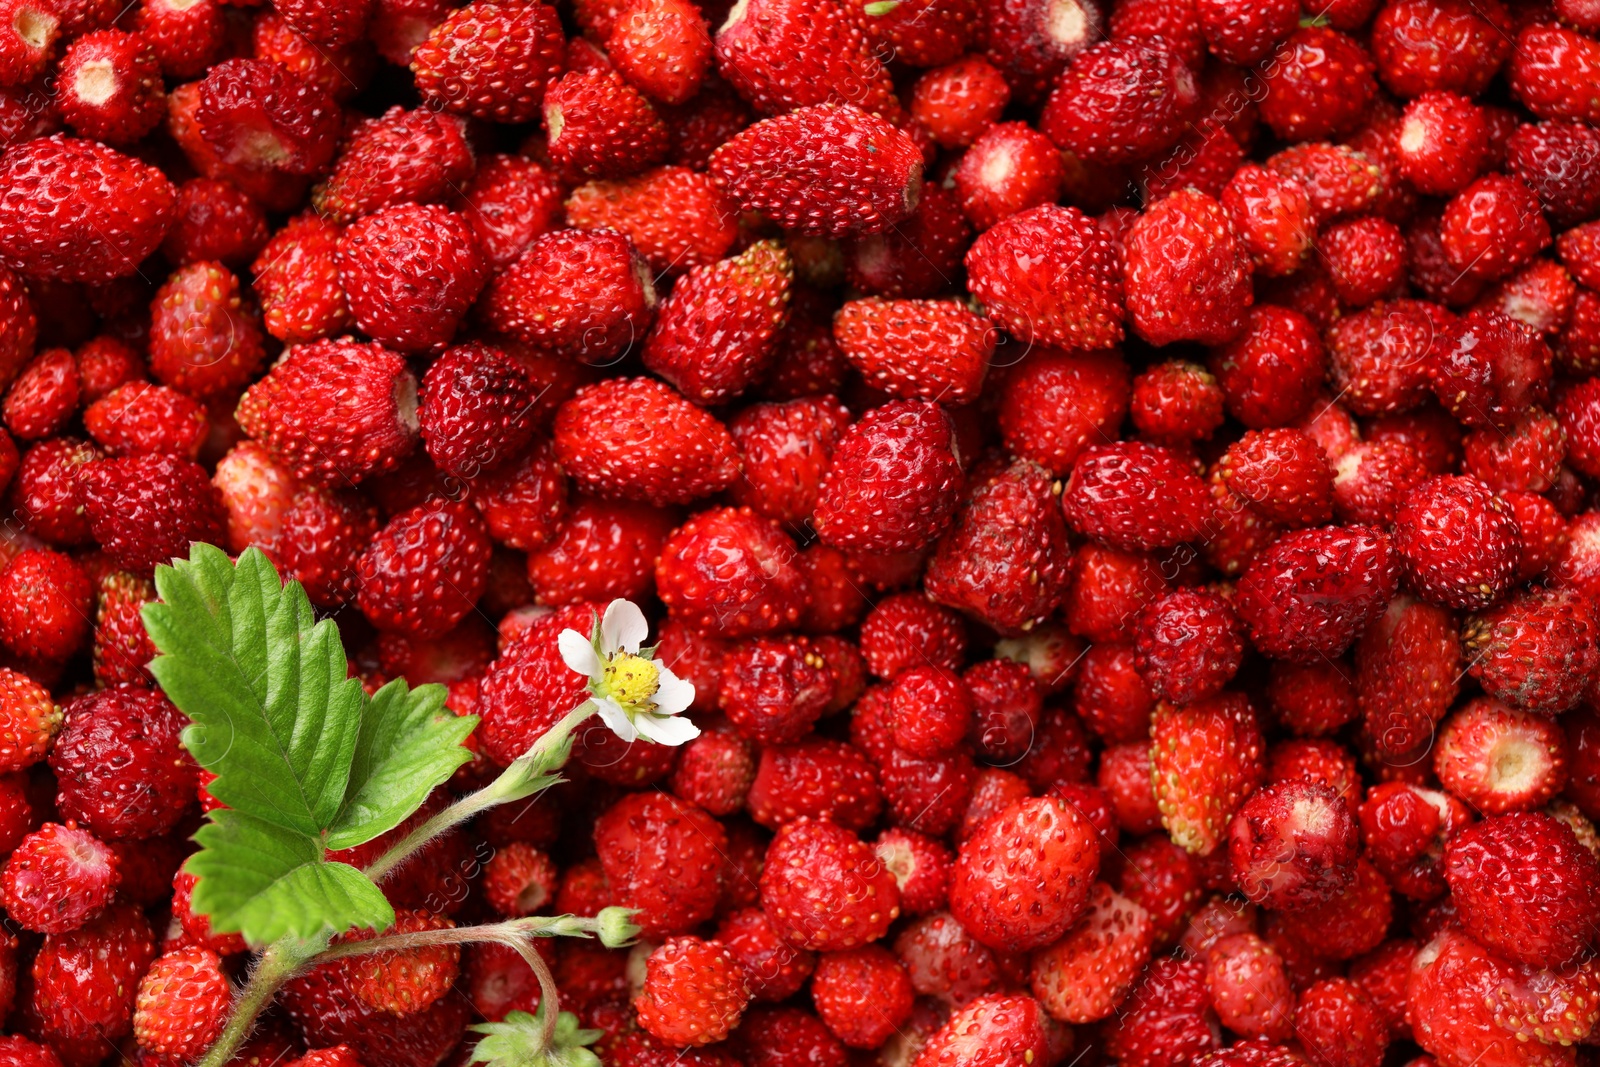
631	680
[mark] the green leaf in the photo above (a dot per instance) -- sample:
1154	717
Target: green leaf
275	715
409	743
304	761
257	880
518	1041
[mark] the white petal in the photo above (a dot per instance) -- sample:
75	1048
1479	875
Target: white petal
612	715
623	627
668	729
673	693
578	653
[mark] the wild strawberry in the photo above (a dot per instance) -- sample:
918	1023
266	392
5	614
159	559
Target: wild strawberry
143	418
1273	215
80	211
585	296
111	87
1010	168
698	232
58	878
817	779
694	992
1338	180
425	570
1109	587
1187	645
1429	430
1526	457
1204	759
297	282
85	981
637	439
731	572
1500	759
1578	411
1350	923
1312	592
1069	295
1524	887
1283	475
324	533
404	981
773	689
473	409
602	550
1249	987
1492	227
1405	828
1553	71
258	115
781	55
417	156
1423	45
45	396
28	43
337	1056
1441	143
823	889
1337	1020
922	349
183	1003
1243	33
1205	161
205	340
1378	355
916	258
828	170
410	272
907	629
863	995
864	507
29	720
957	102
1085	975
1457	541
663	47
215	221
1167	1018
774	971
1365	259
491	61
663	856
1321	84
1293	844
1110	495
1111	696
1054	404
1120	101
1187	274
601	127
1540	296
1372	478
1535	651
123	771
509	202
1042	845
344	69
785	449
1032	41
1006	560
733	308
44	605
1173	403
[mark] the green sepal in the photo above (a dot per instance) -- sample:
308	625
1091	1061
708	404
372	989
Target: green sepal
518	1041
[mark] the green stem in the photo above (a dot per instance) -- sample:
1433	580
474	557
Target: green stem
511	785
276	965
519	929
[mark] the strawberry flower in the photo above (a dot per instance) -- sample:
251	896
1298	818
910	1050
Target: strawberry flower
635	695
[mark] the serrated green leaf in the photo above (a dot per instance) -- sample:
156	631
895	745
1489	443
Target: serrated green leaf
518	1041
409	743
257	880
275	714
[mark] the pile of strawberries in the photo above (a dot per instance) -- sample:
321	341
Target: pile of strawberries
1121	480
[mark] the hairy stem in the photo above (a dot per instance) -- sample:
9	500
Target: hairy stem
518	930
511	785
275	966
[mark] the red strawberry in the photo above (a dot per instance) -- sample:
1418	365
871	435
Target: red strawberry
524	500
1293	844
817	779
999	1030
1187	274
1049	275
204	339
922	33
784	54
1365	259
122	769
257	115
79	211
785	449
1492	227
1113	490
474	409
1553	71
324	532
1204	759
1245	33
85	982
916	349
425	570
863	995
770	1037
45	396
1335	1018
1320	84
183	1003
334	410
1441	142
297	282
1346	925
893	482
1187	645
1084	976
663	47
1500	759
343	69
1009	169
918	257
491	61
1168	1018
957	102
1249	987
509	202
44	614
694	992
1312	592
1054	404
773	689
410	272
58	878
1273	215
1525	887
139	417
1535	651
663	856
774	971
716	333
1458	542
1408	667
602	550
907	629
1453	45
1032	41
696	233
828	170
601	127
417	156
637	439
111	86
1338	179
122	648
732	573
1120	101
1023	879
823	889
1283	474
1178	25
585	296
404	981
215	221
